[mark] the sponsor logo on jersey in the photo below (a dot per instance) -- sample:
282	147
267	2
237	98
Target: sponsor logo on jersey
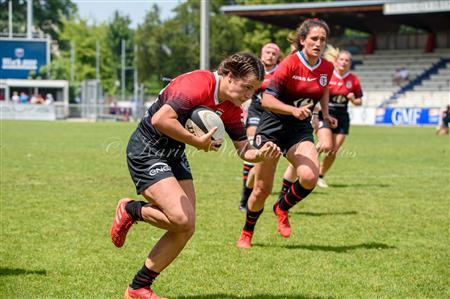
348	84
303	102
323	80
258	140
158	168
301	78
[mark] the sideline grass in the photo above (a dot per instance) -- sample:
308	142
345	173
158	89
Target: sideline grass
379	231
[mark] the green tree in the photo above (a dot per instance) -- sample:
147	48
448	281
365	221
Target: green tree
117	30
83	38
46	15
151	47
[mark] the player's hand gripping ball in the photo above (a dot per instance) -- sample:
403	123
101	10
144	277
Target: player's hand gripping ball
203	119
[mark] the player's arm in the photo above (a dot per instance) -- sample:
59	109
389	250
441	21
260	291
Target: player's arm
356	96
270	102
355	101
249	153
166	121
324	100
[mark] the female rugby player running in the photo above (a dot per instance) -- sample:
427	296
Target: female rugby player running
158	164
344	88
299	83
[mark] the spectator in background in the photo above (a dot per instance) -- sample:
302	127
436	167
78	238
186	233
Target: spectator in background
15	97
23	98
404	74
37	99
49	99
400	76
443	128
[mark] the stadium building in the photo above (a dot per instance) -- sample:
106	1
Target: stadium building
381	51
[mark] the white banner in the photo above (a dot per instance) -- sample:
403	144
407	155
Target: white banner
416	7
27	112
362	115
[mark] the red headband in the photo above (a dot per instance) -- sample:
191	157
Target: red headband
272	46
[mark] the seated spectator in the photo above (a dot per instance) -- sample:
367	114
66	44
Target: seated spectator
401	75
15	97
24	98
49	99
37	99
404	74
443	128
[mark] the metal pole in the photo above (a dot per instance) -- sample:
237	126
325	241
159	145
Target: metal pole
97	60
123	70
29	19
204	35
135	74
10	10
72	61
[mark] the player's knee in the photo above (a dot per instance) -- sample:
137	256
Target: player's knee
309	180
262	191
326	147
183	224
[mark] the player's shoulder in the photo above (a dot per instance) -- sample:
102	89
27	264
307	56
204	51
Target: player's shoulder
326	65
200	76
195	83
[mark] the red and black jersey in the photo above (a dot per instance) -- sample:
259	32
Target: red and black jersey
340	87
297	83
197	88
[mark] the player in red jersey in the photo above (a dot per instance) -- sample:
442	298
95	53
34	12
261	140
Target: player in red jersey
299	83
344	88
270	57
158	164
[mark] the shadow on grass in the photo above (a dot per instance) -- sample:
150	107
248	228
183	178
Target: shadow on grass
16	271
317	214
259	296
337	249
359	185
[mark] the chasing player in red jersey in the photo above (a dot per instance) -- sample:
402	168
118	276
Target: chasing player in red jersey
344	89
270	57
298	84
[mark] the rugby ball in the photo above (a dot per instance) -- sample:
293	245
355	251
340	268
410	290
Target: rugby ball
202	119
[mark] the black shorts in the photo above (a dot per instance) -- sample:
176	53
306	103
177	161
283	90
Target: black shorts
284	131
254	112
343	126
149	164
446	120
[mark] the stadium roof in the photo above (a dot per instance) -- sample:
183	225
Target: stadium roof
370	16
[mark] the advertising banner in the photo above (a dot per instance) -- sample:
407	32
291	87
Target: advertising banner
20	56
408	116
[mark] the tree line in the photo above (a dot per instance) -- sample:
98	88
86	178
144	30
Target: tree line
164	47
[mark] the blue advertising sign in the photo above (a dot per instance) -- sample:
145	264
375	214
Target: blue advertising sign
20	56
408	116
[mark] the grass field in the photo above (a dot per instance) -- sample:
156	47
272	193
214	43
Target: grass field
380	231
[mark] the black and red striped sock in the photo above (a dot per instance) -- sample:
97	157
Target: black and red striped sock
284	188
250	219
294	195
144	278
